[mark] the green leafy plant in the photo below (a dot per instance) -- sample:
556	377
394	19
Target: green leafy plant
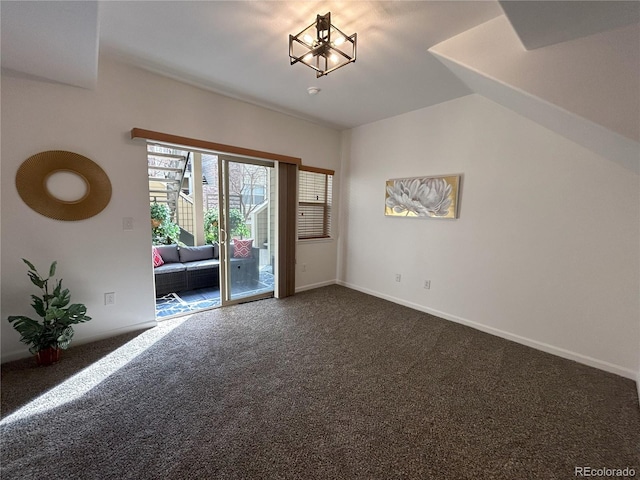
236	221
163	230
55	330
211	226
241	230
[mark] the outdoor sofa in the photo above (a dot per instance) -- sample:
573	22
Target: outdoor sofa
187	268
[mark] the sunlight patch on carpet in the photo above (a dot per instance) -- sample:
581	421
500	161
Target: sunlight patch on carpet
83	381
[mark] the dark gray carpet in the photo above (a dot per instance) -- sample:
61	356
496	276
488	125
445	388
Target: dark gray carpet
329	384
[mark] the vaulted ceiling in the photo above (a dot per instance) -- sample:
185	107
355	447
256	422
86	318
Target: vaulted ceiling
573	66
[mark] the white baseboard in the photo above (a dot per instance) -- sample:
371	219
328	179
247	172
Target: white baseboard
315	285
561	352
19	354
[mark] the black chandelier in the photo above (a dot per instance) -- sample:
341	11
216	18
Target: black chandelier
322	46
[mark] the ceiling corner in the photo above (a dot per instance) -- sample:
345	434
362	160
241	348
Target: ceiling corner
56	41
540	24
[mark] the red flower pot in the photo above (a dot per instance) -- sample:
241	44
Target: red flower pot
48	356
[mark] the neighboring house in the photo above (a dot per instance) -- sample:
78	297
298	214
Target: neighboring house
546	250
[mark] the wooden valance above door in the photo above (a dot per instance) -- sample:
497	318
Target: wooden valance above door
212	146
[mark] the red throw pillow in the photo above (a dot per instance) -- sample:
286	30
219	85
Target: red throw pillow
157	258
242	248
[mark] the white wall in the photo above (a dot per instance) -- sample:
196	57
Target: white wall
545	251
95	255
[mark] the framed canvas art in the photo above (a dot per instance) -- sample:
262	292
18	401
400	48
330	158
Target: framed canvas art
435	197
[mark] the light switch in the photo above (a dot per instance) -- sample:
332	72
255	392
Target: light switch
127	223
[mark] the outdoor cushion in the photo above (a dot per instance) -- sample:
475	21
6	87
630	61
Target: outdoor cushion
170	268
242	248
157	258
191	254
202	264
169	253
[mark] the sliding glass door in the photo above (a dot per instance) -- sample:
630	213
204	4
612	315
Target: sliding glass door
217	230
246	228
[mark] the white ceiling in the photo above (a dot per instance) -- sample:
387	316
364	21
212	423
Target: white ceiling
239	48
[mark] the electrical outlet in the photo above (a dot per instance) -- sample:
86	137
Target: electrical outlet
398	277
427	284
110	298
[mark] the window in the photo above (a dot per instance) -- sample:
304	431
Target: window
253	195
314	202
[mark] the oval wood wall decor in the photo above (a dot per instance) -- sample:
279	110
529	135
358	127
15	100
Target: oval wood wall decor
35	171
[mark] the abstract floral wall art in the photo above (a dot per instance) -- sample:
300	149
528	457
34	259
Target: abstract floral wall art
435	197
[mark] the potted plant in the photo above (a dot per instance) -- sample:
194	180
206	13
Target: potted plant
54	333
163	230
237	224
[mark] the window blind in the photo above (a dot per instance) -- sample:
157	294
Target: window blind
314	203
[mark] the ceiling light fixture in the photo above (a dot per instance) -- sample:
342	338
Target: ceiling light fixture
322	46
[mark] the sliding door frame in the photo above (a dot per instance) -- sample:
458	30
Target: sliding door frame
224	205
287	168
